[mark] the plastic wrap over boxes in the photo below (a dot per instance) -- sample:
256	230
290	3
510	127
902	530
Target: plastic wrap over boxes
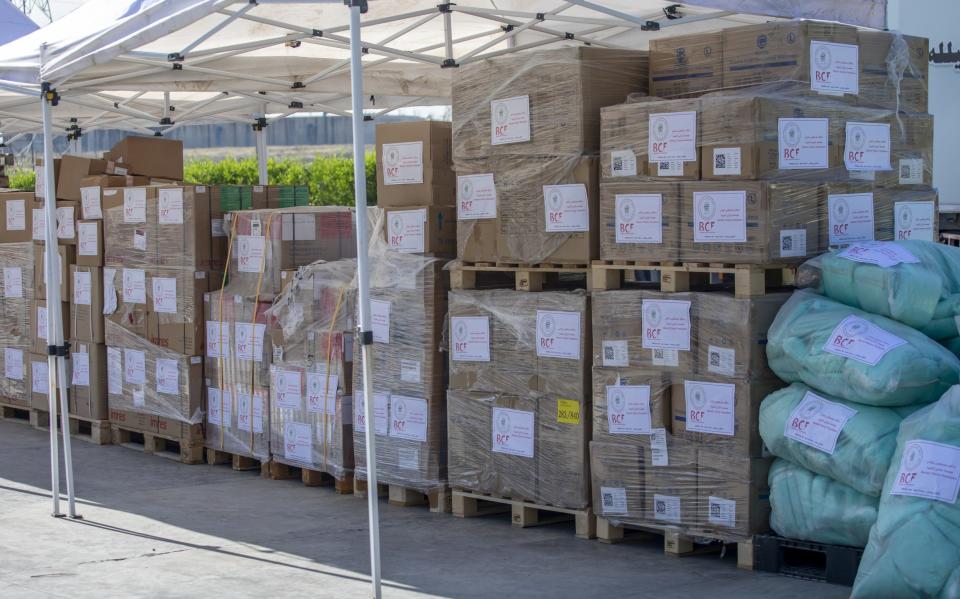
17	309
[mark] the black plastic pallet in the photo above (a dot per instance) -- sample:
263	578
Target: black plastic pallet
835	564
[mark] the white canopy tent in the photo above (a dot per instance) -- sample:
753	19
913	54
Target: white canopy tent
152	66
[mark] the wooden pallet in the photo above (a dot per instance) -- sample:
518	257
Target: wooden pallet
275	470
181	450
522	277
16	414
748	280
675	542
950	239
835	564
438	500
87	429
523	514
237	461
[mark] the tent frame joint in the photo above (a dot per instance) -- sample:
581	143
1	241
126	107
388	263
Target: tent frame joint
260	124
60	351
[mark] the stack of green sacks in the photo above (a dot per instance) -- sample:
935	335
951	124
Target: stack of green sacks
855	376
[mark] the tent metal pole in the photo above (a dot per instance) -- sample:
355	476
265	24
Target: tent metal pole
363	286
261	133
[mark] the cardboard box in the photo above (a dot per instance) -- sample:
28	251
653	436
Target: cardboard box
615	410
230	198
626	139
66	256
476	236
91	192
40	382
155	157
17	217
877	84
67	213
671	489
129	238
15	381
427	230
733	496
86	303
778	50
175	309
911	153
90	243
40	327
542	103
562	450
73	169
414	164
857	212
750	222
731	334
88	386
183	228
125	301
617	475
639	221
287	196
728	408
686	65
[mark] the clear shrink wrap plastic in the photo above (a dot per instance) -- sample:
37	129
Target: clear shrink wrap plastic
813	507
518	403
16	303
408	305
311	407
913	550
857	356
525	137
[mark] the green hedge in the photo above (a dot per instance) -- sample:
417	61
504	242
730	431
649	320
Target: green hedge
330	178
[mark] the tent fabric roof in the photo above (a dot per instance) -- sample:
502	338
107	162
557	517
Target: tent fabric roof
13	23
113	61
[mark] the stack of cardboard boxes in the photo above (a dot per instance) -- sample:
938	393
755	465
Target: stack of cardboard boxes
6	161
17	256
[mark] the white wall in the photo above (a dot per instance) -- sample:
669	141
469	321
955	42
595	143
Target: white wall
939	21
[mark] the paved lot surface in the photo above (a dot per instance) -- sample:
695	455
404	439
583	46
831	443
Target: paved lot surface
157	528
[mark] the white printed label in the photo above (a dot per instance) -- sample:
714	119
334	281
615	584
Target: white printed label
623	163
80	362
628	409
803	143
42	328
510	120
297	442
639	218
861	340
666	508
380	320
168	376
670	168
879	253
851	218
170	206
929	470
406	230
114	371
658	447
87	239
513	432
408	418
470	341
911	171
39	224
40	181
720	216
867	147
216	228
287	384
90	203
665	357
134	286
140	240
672	136
39	377
134	205
250	253
249	409
476	197
139	398
13	364
16	215
722	512
322	392
721	360
558	334
616	353
134	367
82	287
218	406
403	163
566	208
249	341
793	243
218	345
12	282
380	402
915	221
726	162
666	324
834	68
164	295
410	371
710	407
408	458
614	500
66	223
817	422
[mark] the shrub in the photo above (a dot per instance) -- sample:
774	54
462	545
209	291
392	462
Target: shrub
22	179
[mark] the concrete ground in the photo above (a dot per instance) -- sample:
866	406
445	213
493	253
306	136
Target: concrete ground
156	528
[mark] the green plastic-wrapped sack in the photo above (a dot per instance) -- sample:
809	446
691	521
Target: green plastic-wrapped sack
812	507
913	282
914	548
857	356
849	442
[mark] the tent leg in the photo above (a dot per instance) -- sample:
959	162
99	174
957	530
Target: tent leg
65	428
363	285
261	134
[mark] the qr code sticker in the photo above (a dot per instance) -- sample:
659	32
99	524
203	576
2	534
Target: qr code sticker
618	164
608	353
608	500
720	161
657	354
786	243
661	506
715	359
905	171
715	510
665	165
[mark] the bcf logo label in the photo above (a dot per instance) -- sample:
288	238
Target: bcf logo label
849	333
460	337
823	60
548	327
396	230
503	429
652	319
392	157
466	195
501	116
904	222
661	130
841	214
910	464
697	400
617	404
858	138
790	137
706	210
400	415
628	213
555	203
809	411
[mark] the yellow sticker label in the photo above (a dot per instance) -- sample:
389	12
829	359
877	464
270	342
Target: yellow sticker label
568	411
